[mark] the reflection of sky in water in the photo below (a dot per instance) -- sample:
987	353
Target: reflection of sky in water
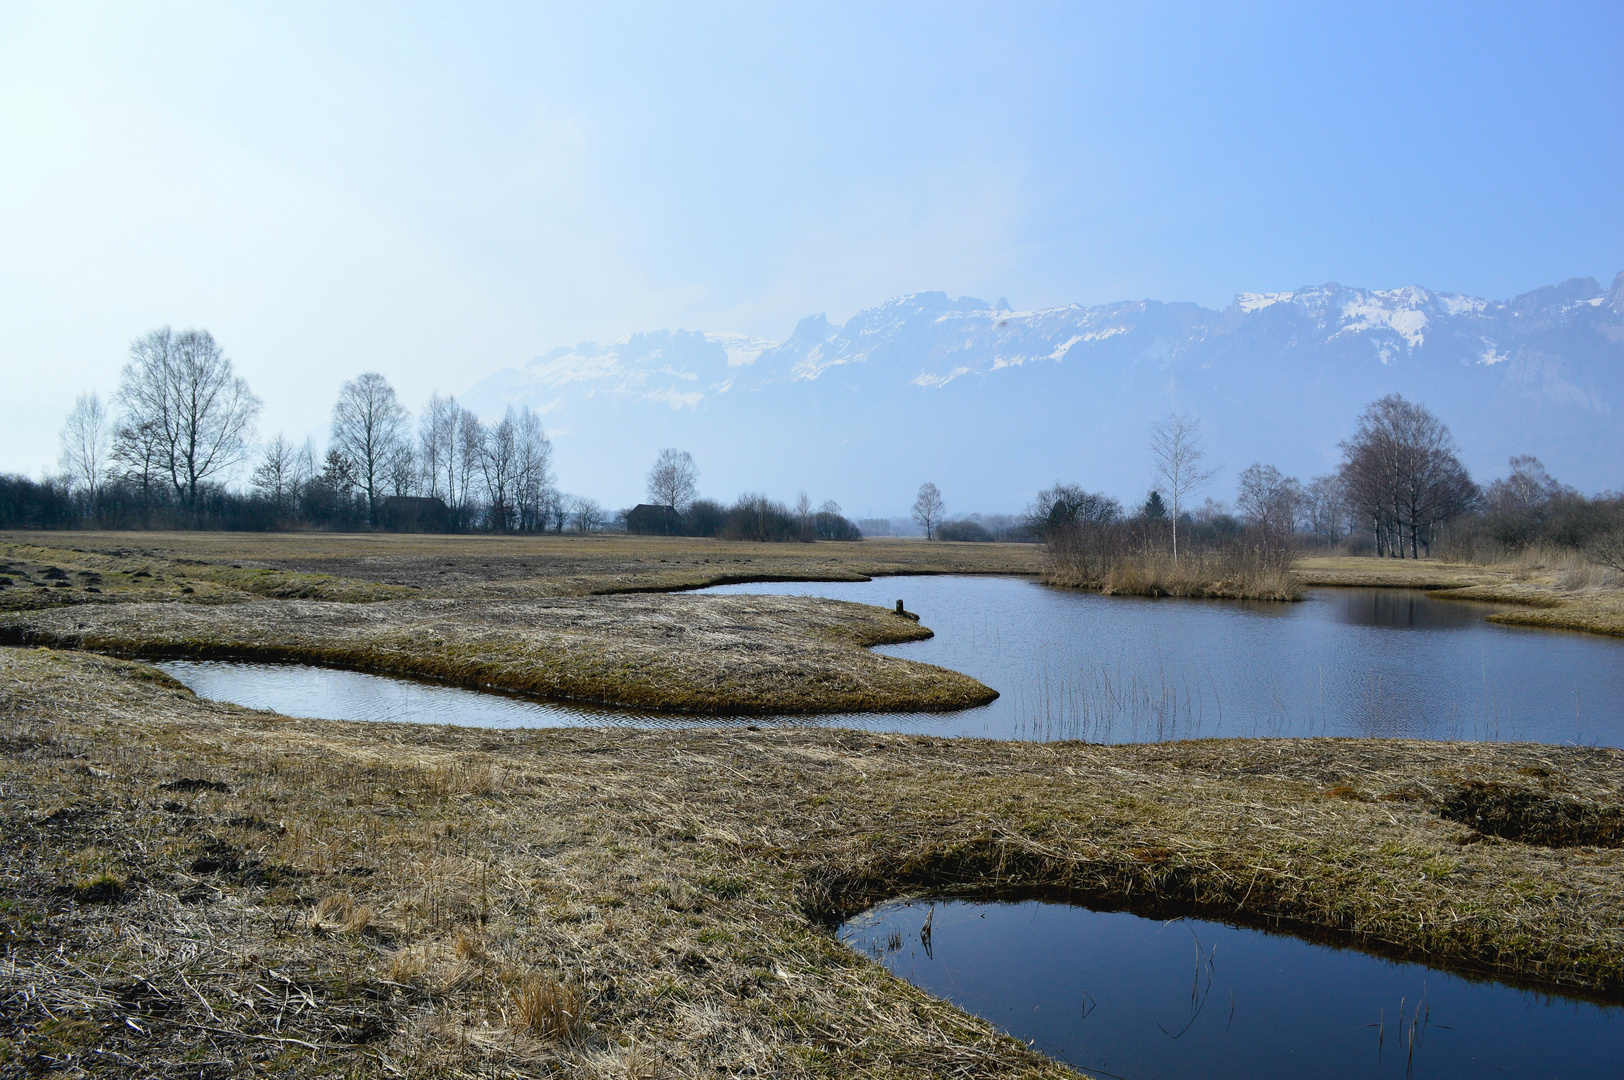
1077	665
1144	999
1380	662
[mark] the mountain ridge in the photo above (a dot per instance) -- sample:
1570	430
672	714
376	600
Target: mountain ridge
1272	375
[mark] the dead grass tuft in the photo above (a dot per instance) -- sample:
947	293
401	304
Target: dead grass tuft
547	1008
338	913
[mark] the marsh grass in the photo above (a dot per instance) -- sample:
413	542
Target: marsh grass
1231	574
1552	588
674	892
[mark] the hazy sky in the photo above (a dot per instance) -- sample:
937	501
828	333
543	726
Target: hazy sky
435	192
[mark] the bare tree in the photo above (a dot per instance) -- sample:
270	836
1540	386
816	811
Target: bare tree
1402	471
180	391
928	508
403	473
674	479
1175	448
499	467
274	478
534	479
136	450
1270	502
437	447
585	514
85	444
470	452
368	428
803	516
1325	508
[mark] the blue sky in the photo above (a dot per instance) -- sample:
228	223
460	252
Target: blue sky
436	192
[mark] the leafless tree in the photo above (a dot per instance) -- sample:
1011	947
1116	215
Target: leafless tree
674	479
1270	502
803	516
368	427
534	479
274	478
86	444
498	465
1325	508
470	452
136	452
585	514
1401	470
437	447
403	469
1175	449
180	391
928	508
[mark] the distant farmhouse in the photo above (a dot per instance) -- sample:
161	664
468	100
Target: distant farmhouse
649	519
414	513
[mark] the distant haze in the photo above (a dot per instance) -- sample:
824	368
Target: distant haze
992	403
440	192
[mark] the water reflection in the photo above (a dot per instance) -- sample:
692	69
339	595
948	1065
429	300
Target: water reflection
1345	662
1142	999
1349	662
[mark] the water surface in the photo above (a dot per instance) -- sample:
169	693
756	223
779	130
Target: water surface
1350	662
1147	1000
1070	665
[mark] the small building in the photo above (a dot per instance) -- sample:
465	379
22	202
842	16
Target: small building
649	519
413	513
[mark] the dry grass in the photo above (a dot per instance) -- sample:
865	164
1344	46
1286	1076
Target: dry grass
222	567
695	654
1197	575
1557	590
673	892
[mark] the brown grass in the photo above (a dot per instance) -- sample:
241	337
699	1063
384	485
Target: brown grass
223	567
1197	575
1552	589
684	883
694	654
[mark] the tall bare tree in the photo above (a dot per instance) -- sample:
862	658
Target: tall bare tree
368	427
1271	503
437	447
674	479
180	391
1175	449
1402	471
1325	506
471	438
86	444
928	508
499	466
274	478
534	479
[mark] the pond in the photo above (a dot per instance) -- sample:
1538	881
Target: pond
1350	662
1070	665
1124	996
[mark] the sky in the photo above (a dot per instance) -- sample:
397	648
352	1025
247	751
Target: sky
440	191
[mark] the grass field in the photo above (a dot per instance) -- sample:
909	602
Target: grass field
193	889
189	888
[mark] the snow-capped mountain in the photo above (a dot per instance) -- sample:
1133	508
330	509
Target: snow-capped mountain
992	403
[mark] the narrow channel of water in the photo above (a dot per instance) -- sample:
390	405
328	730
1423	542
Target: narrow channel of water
1140	999
1069	665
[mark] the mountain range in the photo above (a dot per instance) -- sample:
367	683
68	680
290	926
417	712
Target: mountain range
992	403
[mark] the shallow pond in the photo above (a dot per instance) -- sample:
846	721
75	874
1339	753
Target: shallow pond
1071	665
1372	662
1141	999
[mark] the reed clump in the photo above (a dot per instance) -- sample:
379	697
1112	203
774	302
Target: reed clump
1123	558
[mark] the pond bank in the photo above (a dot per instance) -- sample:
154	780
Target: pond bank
410	887
1542	598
